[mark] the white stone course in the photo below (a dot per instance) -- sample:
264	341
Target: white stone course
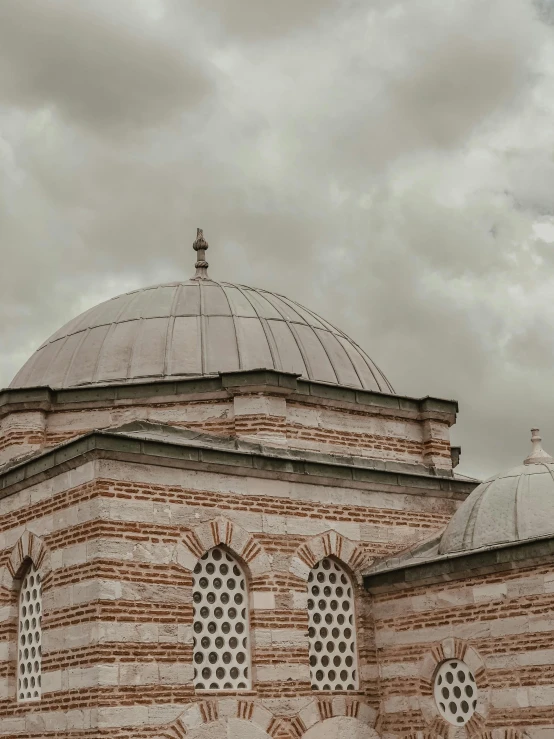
263	600
117	631
389	637
282	672
400	669
510	698
258	486
118	716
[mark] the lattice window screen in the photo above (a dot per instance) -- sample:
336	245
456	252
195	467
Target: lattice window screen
30	637
455	691
332	629
221	631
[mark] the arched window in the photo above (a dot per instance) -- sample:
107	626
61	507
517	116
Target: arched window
30	636
332	628
221	633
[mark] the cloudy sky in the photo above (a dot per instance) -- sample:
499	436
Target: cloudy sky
388	163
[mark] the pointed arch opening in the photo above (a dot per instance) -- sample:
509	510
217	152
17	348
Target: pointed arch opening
29	635
221	652
332	627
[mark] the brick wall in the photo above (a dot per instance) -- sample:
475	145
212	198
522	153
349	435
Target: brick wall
116	543
502	624
329	427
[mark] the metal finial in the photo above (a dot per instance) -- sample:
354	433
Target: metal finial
200	246
538	455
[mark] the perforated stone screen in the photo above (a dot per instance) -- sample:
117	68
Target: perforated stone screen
221	633
30	637
455	692
332	633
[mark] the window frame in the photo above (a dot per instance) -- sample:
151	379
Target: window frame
29	570
314	661
225	631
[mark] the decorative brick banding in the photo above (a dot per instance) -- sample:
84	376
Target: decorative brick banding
140	572
121	550
24	437
119	610
118	652
523	606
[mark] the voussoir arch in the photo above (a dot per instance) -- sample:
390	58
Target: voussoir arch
221	531
29	546
453	648
323	709
215	710
329	544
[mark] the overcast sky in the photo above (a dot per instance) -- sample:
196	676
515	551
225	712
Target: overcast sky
387	163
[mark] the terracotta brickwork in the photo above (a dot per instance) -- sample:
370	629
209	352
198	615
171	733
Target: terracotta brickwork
346	432
21	433
501	625
116	543
289	420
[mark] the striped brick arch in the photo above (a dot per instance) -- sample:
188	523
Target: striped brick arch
200	539
28	547
219	711
329	544
319	711
453	648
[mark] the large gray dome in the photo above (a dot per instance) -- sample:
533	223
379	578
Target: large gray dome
198	327
513	506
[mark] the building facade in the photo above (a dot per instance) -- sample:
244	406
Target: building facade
218	520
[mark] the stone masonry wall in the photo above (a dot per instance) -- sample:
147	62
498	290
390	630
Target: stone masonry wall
359	431
116	543
502	625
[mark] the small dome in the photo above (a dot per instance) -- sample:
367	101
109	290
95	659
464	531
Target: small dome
507	508
197	327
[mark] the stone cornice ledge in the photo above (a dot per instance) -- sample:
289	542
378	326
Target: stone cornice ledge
225	384
322	467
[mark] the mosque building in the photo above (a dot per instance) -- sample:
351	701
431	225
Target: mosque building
218	520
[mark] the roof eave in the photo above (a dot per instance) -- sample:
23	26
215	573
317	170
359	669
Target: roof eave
257	380
459	565
256	462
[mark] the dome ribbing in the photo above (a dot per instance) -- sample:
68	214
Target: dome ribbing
510	507
194	328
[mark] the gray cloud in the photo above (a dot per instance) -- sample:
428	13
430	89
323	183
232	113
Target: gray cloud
95	65
258	22
388	165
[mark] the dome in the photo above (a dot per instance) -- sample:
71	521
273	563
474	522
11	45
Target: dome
197	327
514	506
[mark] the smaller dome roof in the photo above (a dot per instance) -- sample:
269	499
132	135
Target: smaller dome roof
510	507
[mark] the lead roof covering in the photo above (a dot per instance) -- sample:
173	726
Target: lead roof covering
194	328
